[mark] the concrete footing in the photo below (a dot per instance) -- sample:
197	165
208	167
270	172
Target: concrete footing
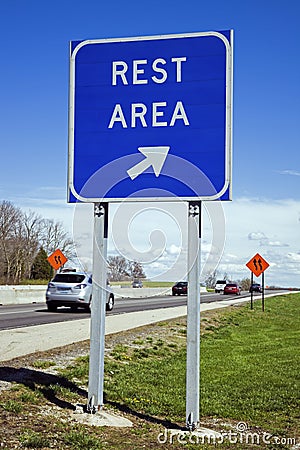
100	419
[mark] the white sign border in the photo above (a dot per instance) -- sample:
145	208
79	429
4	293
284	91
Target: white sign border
228	125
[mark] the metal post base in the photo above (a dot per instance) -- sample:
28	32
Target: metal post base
191	425
91	408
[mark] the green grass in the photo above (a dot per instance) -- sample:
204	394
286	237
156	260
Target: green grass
31	439
12	406
249	373
249	370
34	282
250	365
157	284
80	440
43	364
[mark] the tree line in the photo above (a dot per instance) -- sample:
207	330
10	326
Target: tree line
120	269
211	280
26	239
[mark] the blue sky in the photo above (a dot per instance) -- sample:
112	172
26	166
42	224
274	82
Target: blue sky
265	212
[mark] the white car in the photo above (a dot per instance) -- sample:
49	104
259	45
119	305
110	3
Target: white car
73	289
220	284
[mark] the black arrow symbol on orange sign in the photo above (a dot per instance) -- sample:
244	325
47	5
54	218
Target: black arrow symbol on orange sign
260	264
255	263
57	259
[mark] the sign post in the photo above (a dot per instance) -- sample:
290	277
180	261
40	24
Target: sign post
193	317
251	302
150	119
98	304
258	265
263	292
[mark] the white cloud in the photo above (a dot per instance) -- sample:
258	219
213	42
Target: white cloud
264	240
277	228
230	258
256	236
174	249
276	244
289	172
294	257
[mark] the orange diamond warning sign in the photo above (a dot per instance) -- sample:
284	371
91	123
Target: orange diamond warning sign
257	264
57	259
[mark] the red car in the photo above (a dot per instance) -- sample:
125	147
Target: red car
232	288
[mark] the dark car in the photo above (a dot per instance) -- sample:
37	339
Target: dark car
232	288
255	287
180	288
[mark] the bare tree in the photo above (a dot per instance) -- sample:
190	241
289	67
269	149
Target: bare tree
54	236
21	236
32	231
10	217
117	268
136	270
18	245
245	284
210	281
120	268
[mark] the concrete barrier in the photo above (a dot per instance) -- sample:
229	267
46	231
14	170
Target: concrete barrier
10	295
124	292
13	295
22	294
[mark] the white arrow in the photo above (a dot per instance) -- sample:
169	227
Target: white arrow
155	157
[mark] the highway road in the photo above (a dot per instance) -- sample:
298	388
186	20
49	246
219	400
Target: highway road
16	316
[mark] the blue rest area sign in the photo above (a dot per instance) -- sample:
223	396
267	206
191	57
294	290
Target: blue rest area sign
150	118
